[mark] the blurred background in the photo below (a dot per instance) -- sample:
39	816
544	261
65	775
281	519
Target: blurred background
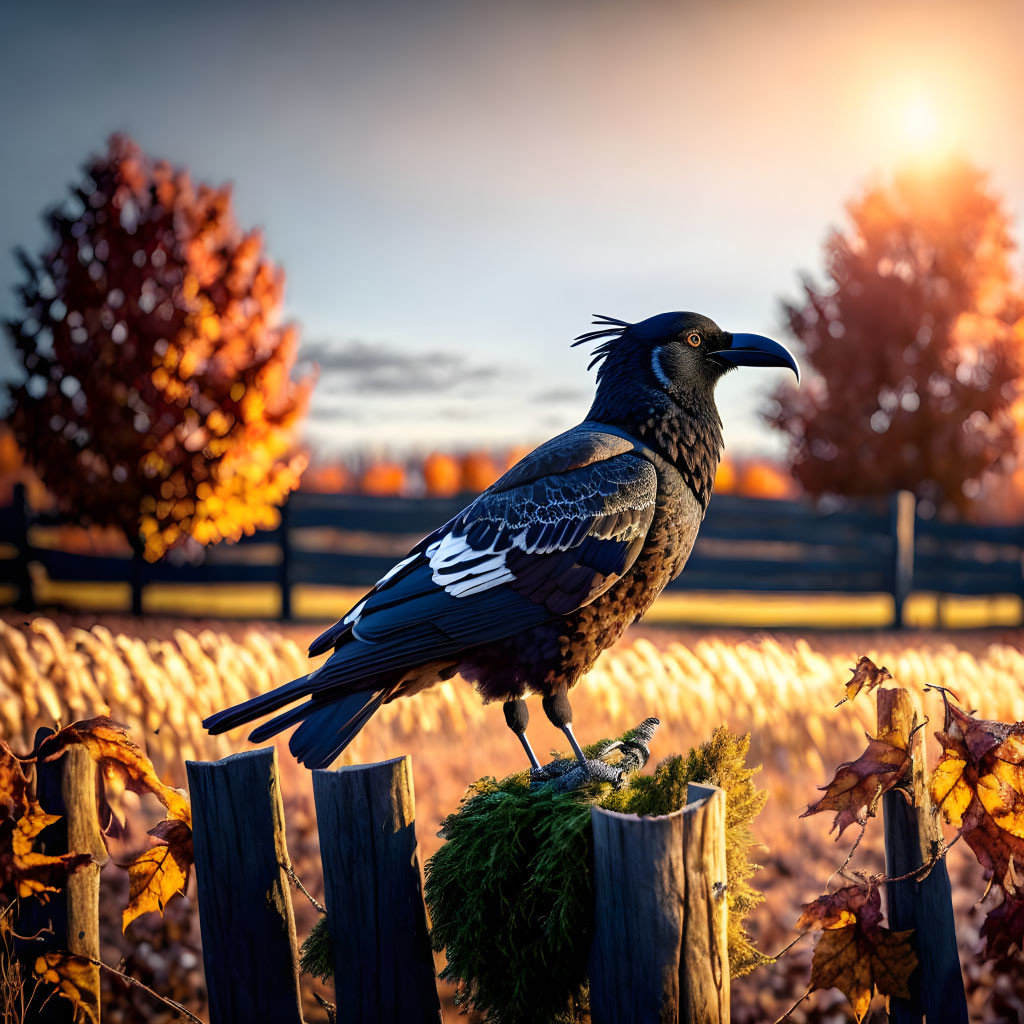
419	207
284	285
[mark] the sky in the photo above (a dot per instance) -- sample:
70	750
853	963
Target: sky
454	187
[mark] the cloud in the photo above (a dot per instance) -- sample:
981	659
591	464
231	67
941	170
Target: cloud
557	396
361	367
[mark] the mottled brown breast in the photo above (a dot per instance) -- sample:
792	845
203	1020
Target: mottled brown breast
558	653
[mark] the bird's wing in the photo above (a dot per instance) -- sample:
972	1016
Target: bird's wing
535	545
538	544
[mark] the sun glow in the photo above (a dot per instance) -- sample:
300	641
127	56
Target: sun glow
920	122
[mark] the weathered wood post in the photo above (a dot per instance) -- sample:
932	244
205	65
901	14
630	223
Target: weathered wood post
373	888
137	572
660	953
67	787
903	512
25	601
245	904
82	895
284	580
912	837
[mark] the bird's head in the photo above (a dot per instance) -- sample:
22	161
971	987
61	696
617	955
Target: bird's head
680	354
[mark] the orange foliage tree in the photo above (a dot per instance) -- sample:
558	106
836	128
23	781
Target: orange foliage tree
442	475
158	395
914	343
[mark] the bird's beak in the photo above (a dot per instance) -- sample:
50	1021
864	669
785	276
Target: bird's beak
753	350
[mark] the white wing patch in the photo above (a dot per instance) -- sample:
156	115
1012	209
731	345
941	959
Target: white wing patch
353	616
461	570
395	569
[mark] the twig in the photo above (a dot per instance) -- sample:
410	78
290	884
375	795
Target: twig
922	871
787	1014
853	849
290	872
182	1011
782	952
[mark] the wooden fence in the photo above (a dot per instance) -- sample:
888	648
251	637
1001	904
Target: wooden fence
745	544
659	951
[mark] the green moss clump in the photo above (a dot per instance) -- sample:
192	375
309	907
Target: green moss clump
510	893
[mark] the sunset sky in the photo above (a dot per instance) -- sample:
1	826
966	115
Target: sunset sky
452	188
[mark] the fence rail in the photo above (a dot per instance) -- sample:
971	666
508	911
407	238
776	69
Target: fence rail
745	544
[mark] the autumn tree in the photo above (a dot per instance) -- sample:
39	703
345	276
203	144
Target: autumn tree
157	394
913	344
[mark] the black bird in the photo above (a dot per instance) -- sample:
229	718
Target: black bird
527	585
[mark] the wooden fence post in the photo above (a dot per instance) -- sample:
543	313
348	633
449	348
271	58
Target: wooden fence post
373	888
78	789
25	601
912	836
285	577
245	904
904	514
67	787
660	953
137	577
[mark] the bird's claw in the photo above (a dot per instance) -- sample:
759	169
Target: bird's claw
567	774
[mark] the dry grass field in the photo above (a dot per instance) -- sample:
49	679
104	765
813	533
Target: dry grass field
163	676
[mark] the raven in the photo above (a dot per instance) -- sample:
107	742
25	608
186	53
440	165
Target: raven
524	588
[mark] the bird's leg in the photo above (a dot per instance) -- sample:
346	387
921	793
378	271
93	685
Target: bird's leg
556	707
517	717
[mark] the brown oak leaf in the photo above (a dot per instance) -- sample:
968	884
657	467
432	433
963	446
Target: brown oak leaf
160	872
858	785
75	980
855	952
866	676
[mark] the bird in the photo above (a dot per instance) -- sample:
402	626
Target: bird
521	591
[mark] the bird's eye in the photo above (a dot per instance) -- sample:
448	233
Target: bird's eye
693	339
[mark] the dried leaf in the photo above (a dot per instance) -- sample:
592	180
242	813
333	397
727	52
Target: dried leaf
855	963
14	785
855	952
35	874
75	980
1004	927
115	751
160	872
22	819
979	784
866	675
857	786
843	907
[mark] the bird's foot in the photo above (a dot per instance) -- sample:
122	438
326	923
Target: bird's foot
611	763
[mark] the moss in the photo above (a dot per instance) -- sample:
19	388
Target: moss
510	892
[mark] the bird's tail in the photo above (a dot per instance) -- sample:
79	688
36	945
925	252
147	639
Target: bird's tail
328	729
258	706
328	726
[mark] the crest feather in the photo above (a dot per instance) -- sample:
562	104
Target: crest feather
609	328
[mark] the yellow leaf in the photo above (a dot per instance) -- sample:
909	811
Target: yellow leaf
112	748
160	872
949	790
75	978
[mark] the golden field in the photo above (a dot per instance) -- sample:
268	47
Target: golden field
160	677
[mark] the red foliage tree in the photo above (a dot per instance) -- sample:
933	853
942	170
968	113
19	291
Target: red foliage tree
914	343
158	394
